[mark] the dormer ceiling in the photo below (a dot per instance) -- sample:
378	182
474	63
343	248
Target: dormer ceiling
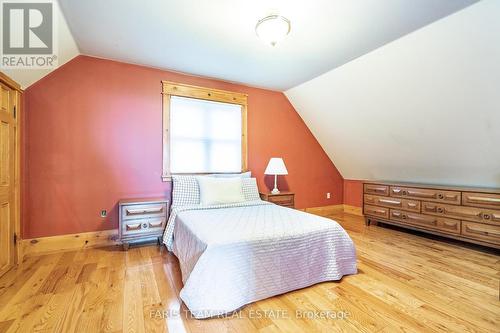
424	108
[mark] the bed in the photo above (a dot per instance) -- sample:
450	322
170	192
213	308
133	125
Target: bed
234	254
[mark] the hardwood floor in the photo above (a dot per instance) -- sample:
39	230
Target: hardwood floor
405	283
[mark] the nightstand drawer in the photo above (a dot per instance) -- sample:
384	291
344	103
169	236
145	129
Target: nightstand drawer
143	226
143	211
285	199
282	200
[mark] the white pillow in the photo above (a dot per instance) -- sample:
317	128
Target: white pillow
215	191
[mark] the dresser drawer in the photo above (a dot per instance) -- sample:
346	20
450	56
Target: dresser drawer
404	204
451	197
473	214
376	189
484	232
486	200
376	211
143	226
426	221
143	211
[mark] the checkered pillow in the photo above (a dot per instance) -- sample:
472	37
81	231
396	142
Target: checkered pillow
185	191
250	190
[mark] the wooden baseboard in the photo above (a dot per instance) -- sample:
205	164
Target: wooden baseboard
333	209
70	242
325	210
353	210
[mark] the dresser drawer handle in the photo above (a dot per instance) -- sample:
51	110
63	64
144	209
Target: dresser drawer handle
404	192
429	208
424	220
452	225
376	211
404	217
375	189
486	216
144	226
440	196
390	202
440	210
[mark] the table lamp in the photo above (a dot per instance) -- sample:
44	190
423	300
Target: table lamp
276	167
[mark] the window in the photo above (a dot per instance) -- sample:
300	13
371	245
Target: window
204	130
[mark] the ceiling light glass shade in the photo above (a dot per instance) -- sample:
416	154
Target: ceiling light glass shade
273	28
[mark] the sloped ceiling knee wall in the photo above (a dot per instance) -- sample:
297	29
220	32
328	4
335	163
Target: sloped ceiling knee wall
424	108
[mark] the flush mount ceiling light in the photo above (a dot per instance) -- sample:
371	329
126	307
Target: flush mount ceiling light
273	28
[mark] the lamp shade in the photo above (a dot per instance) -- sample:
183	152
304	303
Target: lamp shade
276	166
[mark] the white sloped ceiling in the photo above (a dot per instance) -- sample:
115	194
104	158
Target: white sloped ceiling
217	38
424	108
66	50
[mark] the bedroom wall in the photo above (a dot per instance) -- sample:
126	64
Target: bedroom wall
93	136
353	192
419	109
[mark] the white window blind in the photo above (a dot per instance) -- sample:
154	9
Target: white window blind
205	136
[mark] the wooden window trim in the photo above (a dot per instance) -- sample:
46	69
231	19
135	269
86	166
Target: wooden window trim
170	89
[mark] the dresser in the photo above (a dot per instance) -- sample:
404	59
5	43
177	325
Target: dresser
142	220
285	199
467	214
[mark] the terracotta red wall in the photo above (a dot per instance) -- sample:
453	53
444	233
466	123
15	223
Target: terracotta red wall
93	135
353	192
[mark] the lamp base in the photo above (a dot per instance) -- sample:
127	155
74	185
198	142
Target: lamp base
275	189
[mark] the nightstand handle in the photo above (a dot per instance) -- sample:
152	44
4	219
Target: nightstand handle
153	210
135	226
155	224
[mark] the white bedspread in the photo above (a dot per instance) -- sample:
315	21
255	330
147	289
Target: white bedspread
239	254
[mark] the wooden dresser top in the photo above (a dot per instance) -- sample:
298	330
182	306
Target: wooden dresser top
142	200
436	186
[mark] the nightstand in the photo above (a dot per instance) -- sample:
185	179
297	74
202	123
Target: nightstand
142	220
285	199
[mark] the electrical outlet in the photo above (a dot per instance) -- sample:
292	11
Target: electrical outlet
104	213
328	196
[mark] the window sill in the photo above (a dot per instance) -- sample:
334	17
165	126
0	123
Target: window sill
168	178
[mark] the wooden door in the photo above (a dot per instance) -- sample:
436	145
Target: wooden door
7	177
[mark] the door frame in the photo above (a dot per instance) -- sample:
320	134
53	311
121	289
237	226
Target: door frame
17	169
